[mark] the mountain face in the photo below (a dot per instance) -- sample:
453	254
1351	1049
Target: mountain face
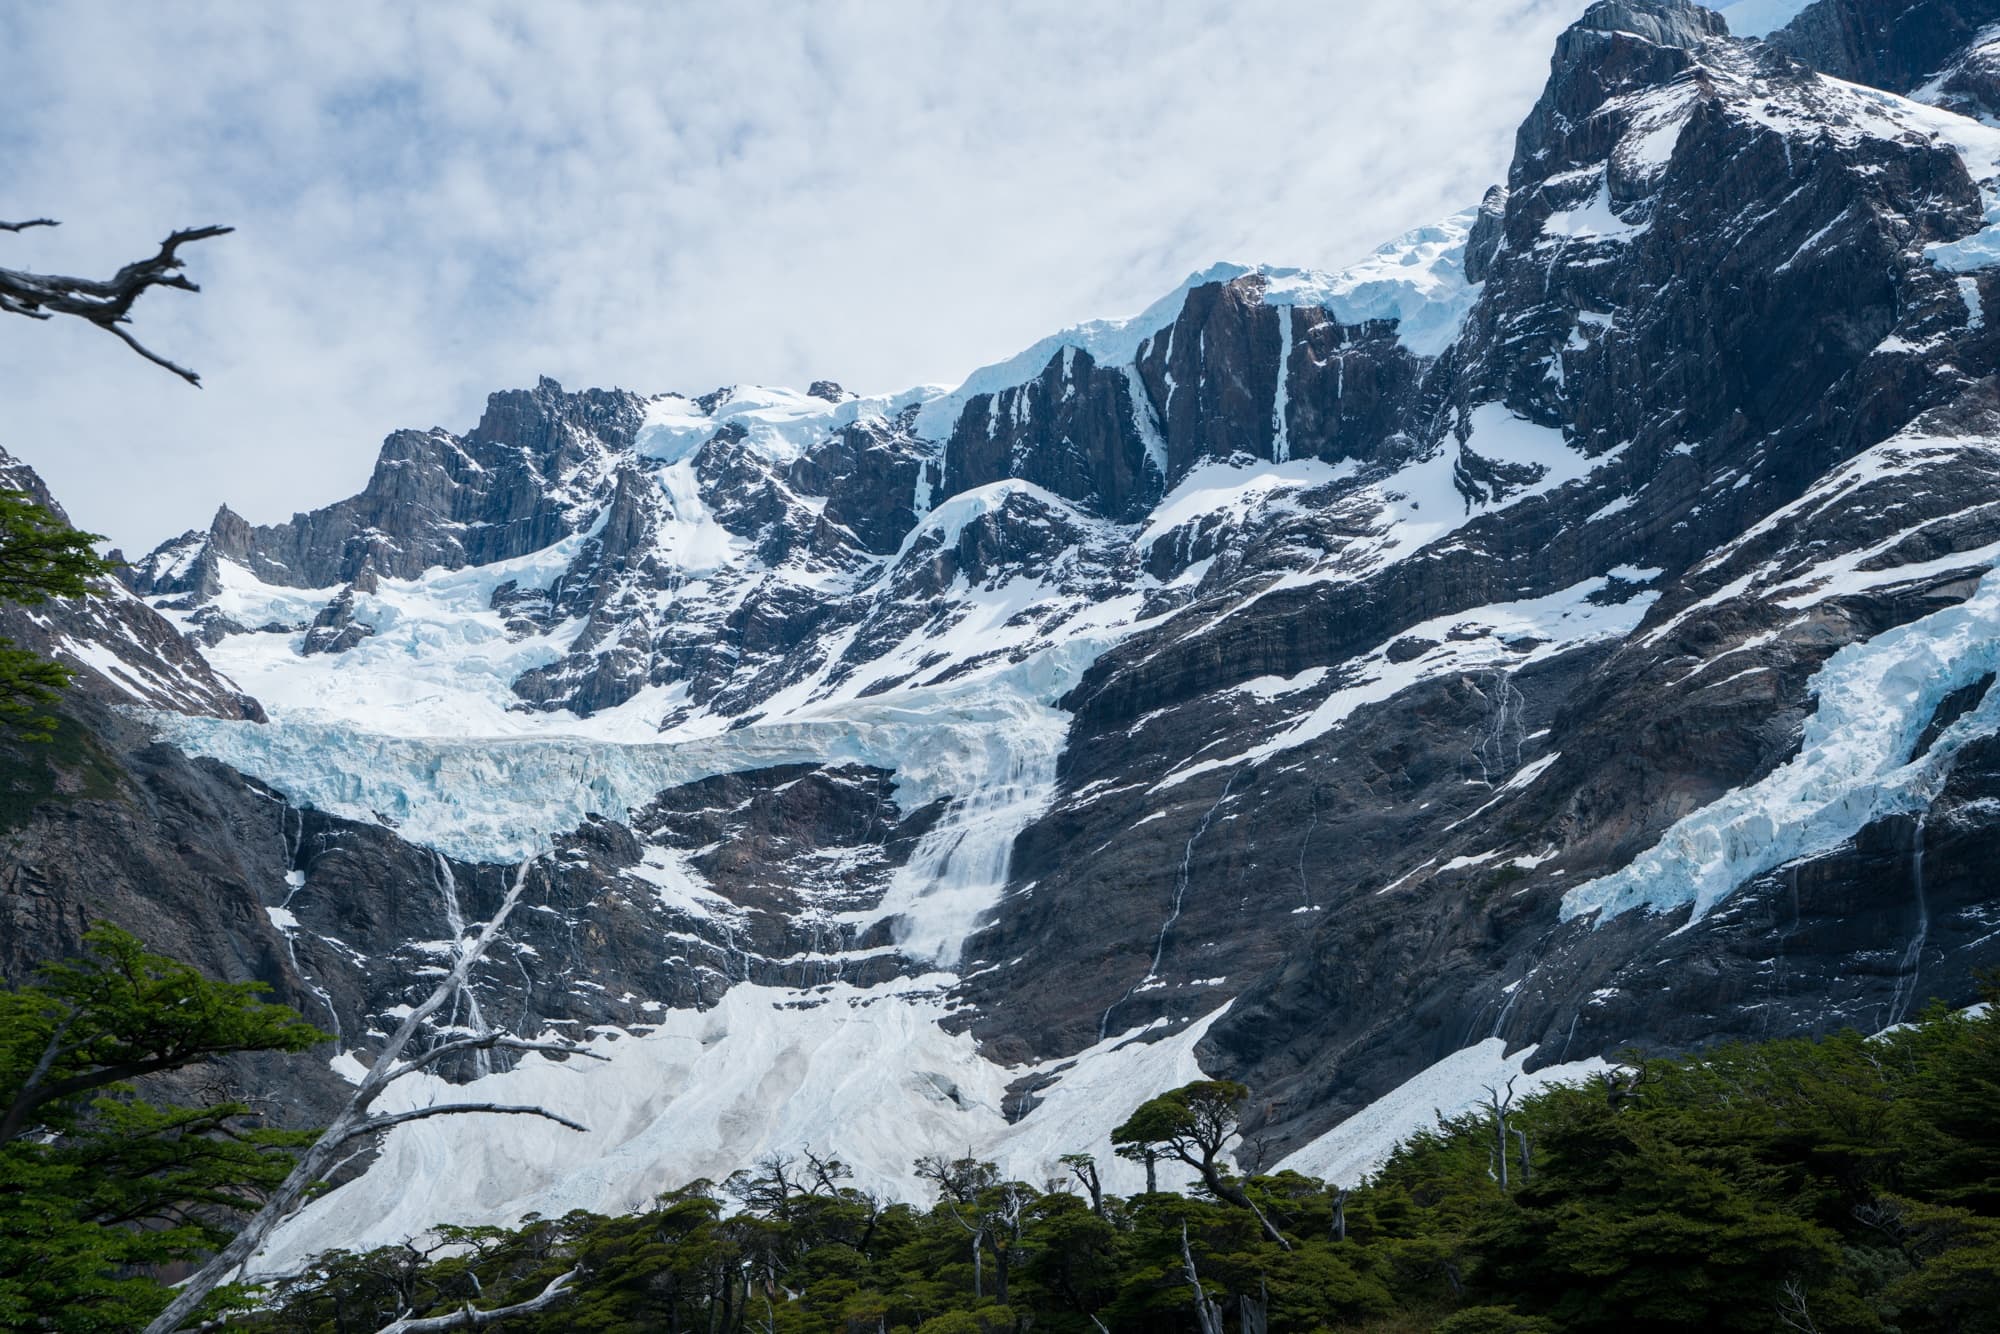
1571	628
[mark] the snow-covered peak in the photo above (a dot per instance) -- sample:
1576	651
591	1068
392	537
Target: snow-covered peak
779	424
1110	342
1417	278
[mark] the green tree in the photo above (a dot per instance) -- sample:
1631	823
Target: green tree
96	1181
1650	1222
40	557
1194	1123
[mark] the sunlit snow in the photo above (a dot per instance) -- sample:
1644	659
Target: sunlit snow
1453	1086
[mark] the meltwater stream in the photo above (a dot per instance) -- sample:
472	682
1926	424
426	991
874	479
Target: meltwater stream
1913	954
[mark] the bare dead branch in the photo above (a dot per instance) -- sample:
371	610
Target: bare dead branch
471	1318
352	1122
489	1042
13	1123
376	1124
106	303
1794	1311
192	377
1208	1313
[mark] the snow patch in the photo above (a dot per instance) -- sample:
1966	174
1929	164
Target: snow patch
1453	1086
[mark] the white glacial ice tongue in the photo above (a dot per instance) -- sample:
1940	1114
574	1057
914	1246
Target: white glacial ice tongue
958	870
503	799
1854	766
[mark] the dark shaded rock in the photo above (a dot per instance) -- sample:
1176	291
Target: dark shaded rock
1072	430
1892	44
516	483
335	630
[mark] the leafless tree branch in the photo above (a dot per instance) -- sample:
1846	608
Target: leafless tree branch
1208	1313
106	303
376	1124
1794	1311
352	1122
489	1042
471	1318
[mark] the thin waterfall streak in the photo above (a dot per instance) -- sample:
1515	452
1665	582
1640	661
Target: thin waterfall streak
1499	751
1569	1037
1174	915
1778	953
294	881
1507	1010
1913	953
1305	893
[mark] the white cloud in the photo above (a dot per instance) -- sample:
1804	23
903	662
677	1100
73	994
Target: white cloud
438	200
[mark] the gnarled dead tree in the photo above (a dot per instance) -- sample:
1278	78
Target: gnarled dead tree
471	1317
1207	1311
107	302
357	1122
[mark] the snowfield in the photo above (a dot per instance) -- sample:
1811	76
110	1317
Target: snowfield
866	1074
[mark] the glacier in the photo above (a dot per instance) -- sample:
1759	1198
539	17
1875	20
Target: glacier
1854	766
418	726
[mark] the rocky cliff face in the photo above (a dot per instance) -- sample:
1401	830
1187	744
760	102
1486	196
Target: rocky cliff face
1570	628
1887	43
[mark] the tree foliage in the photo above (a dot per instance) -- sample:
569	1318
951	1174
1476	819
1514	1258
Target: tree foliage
97	1182
40	557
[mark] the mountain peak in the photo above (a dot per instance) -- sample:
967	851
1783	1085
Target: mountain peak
1680	23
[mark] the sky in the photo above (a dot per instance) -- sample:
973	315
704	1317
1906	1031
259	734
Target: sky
436	201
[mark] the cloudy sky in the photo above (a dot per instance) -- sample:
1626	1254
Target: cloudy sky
434	201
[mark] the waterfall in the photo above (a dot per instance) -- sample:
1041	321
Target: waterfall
287	924
1312	823
1174	914
1499	751
1913	953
